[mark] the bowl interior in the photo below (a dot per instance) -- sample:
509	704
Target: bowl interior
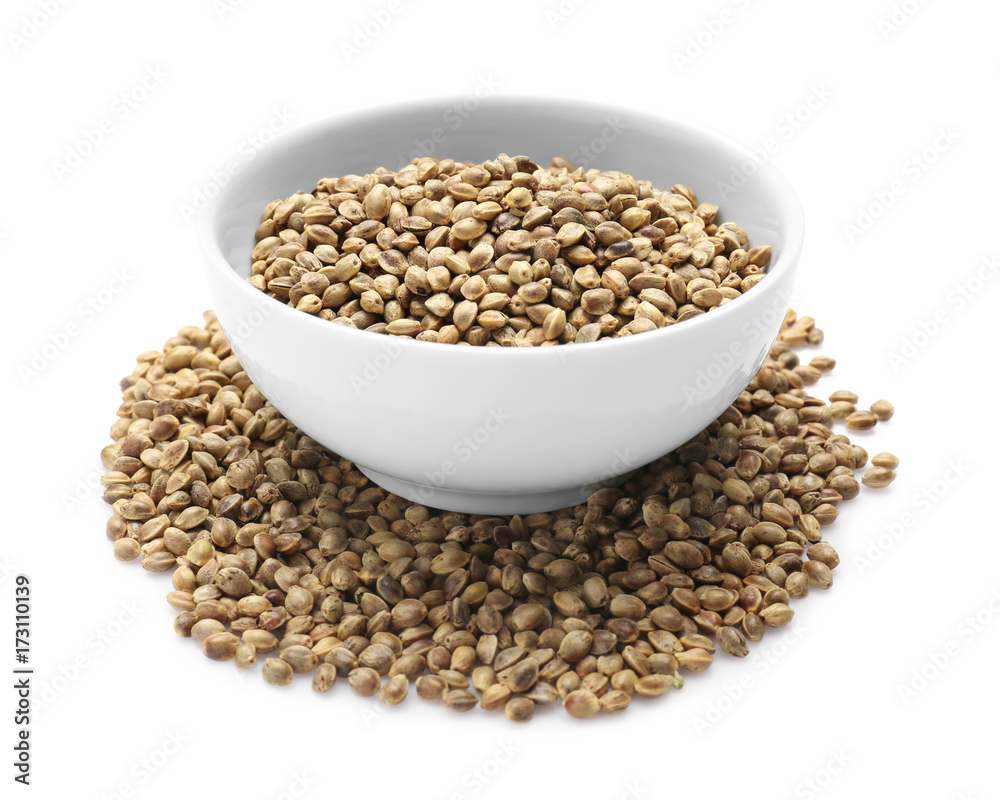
661	151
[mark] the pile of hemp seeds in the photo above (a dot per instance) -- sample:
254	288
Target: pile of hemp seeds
501	254
285	554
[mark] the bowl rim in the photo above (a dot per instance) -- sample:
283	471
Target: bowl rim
776	184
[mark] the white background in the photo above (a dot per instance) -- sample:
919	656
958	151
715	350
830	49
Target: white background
904	120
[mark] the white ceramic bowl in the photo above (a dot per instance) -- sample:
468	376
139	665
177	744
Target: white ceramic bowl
502	430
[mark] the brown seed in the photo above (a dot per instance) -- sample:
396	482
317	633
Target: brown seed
431	688
654	685
395	690
276	672
246	655
325	677
495	697
696	659
824	551
878	477
126	549
575	645
460	700
523	675
233	581
300	658
819	574
204	628
220	646
861	420
519	709
615	701
581	704
886	460
883	409
777	615
364	681
732	642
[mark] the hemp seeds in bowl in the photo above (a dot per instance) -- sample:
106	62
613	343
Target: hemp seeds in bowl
502	253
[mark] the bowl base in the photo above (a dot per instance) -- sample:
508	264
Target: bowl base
486	502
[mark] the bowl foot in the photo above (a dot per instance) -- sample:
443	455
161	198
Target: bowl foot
486	502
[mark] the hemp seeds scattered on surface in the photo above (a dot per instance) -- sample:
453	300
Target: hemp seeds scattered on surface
284	553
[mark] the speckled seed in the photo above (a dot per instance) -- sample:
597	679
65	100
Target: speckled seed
460	700
395	690
615	701
126	549
523	675
246	655
819	574
364	681
581	704
861	420
220	646
654	685
495	697
732	642
431	688
878	477
324	678
519	709
883	409
886	460
276	672
777	615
